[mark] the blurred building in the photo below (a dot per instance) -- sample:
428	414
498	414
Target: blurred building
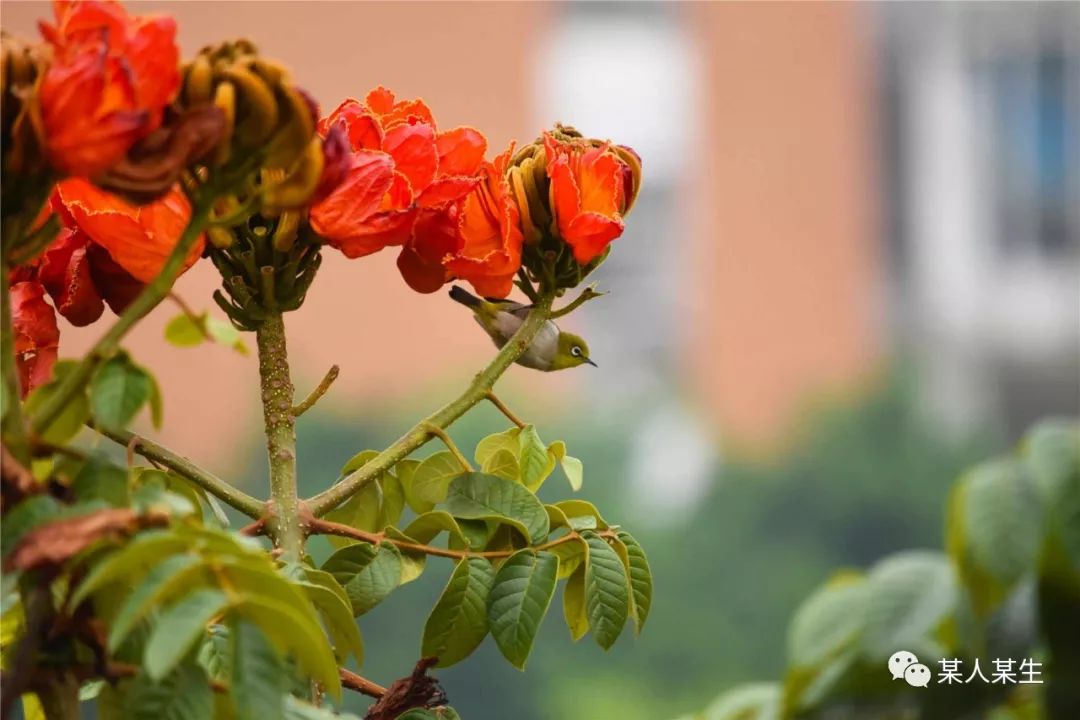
825	184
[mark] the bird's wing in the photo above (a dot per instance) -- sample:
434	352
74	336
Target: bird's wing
516	309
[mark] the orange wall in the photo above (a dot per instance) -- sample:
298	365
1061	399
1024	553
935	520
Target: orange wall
784	211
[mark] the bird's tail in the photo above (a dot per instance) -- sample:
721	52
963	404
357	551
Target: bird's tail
465	297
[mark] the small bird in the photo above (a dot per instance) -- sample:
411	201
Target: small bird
551	349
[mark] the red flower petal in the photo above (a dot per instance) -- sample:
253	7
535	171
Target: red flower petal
356	199
413	148
65	273
37	338
461	151
589	233
421	276
446	190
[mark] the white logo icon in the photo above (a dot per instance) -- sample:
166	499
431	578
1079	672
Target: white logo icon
900	661
917	675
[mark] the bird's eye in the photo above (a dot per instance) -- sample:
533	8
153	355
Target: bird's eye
575	351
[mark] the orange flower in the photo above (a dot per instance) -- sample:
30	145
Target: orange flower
111	77
37	339
104	253
489	227
591	188
404	172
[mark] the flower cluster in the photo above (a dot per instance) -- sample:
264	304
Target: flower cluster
455	214
103	105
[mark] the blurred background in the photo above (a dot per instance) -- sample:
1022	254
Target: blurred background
854	269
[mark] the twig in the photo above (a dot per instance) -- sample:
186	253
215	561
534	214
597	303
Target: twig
586	295
494	400
318	526
330	498
352	681
436	431
318	392
185	468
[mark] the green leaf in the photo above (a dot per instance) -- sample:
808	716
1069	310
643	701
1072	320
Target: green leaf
137	557
333	604
368	575
358	461
174	573
640	580
118	389
534	458
178	628
99	479
752	701
828	621
607	600
30	513
519	600
225	334
503	464
157	404
574	509
404	472
258	674
361	511
507	440
571	554
185	331
184	695
215	653
439	713
433	476
75	413
458	623
1051	452
293	631
577	619
476	496
574	471
909	594
296	709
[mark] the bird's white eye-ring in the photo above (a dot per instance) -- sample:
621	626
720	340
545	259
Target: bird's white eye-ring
575	351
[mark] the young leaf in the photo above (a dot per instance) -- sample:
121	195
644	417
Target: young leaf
519	600
183	695
140	555
118	389
571	466
577	620
640	580
506	440
172	574
458	623
225	334
428	525
333	603
574	509
534	458
177	630
476	496
185	331
257	675
101	480
607	600
909	594
571	554
503	464
433	476
215	653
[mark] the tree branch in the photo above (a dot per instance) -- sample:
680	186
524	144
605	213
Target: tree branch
436	431
332	497
318	526
318	392
352	681
494	400
154	292
277	396
586	295
185	468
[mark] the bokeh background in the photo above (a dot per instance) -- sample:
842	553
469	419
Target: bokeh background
854	268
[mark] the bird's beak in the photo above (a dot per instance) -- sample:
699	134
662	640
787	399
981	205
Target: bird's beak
591	362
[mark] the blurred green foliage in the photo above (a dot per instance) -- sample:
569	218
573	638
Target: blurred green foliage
862	480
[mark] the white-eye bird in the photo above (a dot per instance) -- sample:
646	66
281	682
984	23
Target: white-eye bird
551	349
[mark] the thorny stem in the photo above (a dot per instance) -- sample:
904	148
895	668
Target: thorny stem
318	392
148	299
494	400
277	398
185	468
328	499
448	441
318	526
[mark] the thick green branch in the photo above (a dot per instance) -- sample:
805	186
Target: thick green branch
318	392
442	418
185	468
156	291
277	398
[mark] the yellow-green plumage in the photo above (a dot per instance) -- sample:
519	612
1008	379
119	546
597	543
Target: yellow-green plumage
551	349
